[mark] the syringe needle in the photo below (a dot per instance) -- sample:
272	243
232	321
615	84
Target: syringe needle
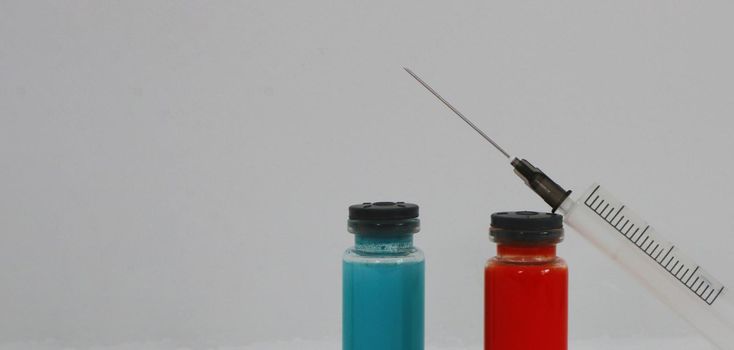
457	112
551	192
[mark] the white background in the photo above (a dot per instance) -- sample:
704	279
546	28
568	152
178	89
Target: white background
180	172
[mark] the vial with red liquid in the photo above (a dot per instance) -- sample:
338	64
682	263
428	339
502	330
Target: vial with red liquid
526	284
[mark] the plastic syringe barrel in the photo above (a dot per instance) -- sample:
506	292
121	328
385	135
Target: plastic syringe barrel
551	192
615	230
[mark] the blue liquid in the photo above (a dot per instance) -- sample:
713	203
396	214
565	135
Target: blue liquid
383	305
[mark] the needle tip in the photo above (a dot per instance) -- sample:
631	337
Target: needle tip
456	111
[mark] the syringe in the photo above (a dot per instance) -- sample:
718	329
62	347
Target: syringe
627	239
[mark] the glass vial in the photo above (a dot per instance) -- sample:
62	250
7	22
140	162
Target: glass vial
383	279
526	284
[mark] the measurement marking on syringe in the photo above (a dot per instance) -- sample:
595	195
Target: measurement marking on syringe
624	225
648	247
610	213
658	256
605	208
693	286
711	292
595	199
641	234
630	237
615	215
666	254
645	238
643	242
691	276
657	245
626	234
592	193
718	293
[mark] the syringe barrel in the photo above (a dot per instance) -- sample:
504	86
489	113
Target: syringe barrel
656	263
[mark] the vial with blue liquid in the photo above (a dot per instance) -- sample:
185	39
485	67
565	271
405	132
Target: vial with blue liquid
383	279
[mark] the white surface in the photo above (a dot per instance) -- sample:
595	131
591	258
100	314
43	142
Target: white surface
181	170
590	344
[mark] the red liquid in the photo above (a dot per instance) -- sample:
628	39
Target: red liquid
526	299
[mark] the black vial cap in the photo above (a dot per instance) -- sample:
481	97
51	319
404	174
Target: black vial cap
526	227
383	211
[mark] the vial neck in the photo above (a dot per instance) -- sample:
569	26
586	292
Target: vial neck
538	253
402	244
